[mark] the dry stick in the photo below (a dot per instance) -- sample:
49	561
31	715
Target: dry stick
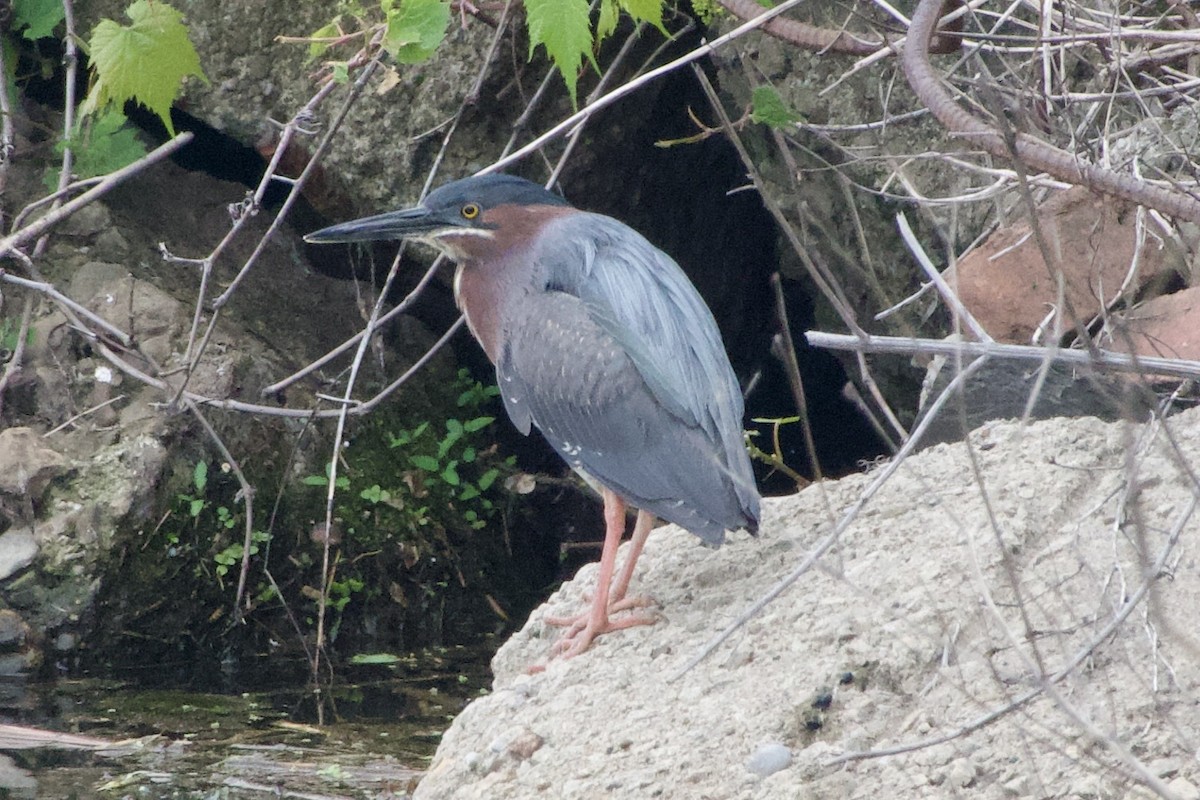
298	183
67	303
1082	655
13	367
935	279
39	226
471	98
353	340
574	137
371	326
247	494
847	518
791	366
1029	150
1034	663
71	60
86	412
824	281
7	133
810	37
1176	367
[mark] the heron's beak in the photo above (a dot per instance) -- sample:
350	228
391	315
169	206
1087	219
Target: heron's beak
416	223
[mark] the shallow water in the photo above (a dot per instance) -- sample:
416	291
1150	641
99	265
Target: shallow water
383	723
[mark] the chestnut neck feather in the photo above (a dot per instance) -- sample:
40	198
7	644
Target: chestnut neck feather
497	274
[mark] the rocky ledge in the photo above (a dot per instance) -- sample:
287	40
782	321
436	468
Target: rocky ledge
1011	620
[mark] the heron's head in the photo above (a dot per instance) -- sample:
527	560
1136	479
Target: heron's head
469	219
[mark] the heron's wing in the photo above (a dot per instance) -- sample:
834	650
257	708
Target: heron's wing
642	298
581	389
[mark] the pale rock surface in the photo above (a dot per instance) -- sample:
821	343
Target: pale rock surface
933	614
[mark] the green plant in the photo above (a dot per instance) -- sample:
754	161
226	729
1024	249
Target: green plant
9	331
443	466
207	525
145	61
774	458
414	29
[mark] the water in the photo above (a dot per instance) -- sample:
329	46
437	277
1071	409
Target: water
383	725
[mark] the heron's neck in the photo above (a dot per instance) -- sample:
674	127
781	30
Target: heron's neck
487	295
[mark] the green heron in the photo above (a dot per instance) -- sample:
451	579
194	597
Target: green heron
601	341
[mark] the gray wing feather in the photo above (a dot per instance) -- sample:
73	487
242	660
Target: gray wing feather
643	299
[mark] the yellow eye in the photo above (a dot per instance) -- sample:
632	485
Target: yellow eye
469	211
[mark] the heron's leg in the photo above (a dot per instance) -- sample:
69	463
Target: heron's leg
581	630
617	600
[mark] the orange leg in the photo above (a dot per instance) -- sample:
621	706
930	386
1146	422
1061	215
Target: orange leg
641	532
582	629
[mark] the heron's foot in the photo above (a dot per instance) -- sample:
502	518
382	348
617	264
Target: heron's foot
583	628
614	607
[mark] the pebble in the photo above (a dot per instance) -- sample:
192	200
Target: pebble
1184	789
769	758
961	773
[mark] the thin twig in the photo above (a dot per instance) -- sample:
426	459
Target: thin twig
114	179
1176	367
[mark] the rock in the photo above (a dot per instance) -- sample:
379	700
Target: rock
1183	789
960	773
16	782
13	630
1167	326
1004	282
18	549
27	465
900	607
769	758
88	221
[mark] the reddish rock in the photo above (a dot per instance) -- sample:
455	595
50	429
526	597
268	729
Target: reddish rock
1005	284
1166	326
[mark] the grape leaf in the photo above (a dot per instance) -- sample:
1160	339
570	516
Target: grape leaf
606	22
646	11
770	109
145	61
102	145
415	29
37	17
562	27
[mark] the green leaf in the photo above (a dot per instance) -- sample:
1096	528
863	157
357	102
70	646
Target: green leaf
451	437
200	475
469	492
145	61
455	427
375	658
100	145
427	463
375	494
39	18
195	507
650	11
468	454
415	29
562	27
450	474
477	424
487	479
769	109
606	23
327	31
315	480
